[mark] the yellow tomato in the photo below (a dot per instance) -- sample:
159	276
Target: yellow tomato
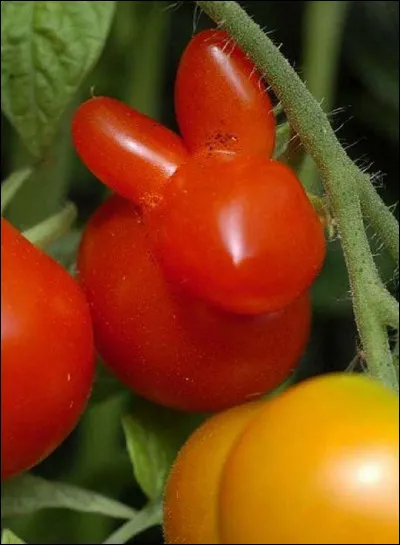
316	464
190	510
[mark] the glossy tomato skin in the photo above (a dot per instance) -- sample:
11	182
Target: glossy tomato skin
47	354
166	345
316	464
330	453
128	151
220	100
238	231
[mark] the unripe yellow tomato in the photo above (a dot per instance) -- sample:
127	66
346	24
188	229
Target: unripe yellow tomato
316	464
191	502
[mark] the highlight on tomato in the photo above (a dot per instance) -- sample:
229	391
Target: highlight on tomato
47	353
318	463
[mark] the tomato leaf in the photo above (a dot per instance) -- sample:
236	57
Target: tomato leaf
154	435
9	538
26	494
47	48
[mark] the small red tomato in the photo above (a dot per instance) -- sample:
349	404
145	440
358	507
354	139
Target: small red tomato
128	151
238	231
47	353
167	345
220	100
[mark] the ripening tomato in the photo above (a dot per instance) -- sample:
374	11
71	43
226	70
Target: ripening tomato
128	151
220	100
167	345
47	353
187	482
238	231
316	464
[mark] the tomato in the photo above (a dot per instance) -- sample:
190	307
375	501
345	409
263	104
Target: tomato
128	151
200	524
316	464
165	344
47	354
238	231
220	100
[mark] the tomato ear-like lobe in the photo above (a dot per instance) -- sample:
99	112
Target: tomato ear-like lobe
220	100
128	151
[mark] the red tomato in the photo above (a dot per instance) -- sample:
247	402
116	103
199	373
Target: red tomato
238	231
220	100
47	354
166	345
316	464
128	151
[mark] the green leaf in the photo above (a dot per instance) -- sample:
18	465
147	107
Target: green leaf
12	184
47	48
154	435
26	494
9	538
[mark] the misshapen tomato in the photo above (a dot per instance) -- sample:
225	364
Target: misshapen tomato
220	100
128	151
316	464
238	231
47	354
165	344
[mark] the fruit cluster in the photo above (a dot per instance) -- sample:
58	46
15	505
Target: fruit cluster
197	271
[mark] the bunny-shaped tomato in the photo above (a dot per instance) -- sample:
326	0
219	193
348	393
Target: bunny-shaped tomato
227	223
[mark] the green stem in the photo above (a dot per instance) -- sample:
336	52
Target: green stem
323	28
380	217
12	184
149	516
145	88
341	177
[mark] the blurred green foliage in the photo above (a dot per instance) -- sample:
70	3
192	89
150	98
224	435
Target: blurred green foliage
138	66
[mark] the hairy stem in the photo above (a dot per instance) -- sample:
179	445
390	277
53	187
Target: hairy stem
342	178
380	217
